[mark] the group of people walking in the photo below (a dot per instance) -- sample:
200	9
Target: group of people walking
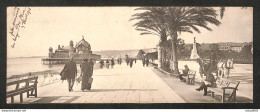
108	63
145	61
130	61
69	73
119	61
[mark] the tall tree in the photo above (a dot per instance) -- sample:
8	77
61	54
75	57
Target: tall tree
187	19
151	23
180	19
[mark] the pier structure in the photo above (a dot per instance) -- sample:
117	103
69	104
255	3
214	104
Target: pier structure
82	50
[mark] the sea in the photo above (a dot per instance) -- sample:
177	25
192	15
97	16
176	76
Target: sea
19	66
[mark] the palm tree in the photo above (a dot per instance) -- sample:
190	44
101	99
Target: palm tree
222	11
151	23
180	19
187	19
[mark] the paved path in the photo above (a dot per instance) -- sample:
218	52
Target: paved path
120	84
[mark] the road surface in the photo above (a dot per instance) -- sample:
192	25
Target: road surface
120	84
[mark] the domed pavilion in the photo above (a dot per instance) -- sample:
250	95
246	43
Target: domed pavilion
81	51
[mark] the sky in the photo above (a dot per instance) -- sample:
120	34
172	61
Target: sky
109	28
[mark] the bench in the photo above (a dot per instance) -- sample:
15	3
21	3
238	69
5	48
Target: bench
226	88
190	78
30	87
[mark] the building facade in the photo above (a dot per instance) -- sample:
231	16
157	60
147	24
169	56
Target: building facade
232	46
81	50
225	46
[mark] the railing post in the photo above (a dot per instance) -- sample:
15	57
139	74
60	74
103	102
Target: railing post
21	97
223	96
12	99
36	91
234	95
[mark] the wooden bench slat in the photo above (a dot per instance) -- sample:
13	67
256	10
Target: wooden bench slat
13	93
26	88
223	85
190	77
21	81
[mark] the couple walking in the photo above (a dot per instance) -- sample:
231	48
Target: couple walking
69	73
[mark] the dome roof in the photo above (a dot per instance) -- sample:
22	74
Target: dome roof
84	43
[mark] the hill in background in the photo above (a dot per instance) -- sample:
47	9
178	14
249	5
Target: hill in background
117	53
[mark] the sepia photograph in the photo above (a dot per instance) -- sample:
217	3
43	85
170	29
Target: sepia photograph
129	54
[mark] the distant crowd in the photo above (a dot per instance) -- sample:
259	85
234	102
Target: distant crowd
69	71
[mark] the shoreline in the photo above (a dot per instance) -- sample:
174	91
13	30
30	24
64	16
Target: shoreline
45	73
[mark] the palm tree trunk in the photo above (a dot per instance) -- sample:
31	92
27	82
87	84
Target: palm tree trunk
159	50
174	52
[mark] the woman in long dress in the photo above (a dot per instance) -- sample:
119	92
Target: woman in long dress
86	74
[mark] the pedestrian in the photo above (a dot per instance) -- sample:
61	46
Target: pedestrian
143	61
118	61
71	73
112	63
131	62
101	64
127	61
184	72
85	72
135	60
208	82
147	61
107	64
90	79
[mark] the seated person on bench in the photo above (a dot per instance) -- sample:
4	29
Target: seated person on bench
184	72
209	81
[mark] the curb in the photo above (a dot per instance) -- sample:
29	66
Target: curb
171	75
164	72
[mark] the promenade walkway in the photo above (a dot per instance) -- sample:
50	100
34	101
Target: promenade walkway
120	84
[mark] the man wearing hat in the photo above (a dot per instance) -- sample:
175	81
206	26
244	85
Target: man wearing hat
71	73
184	72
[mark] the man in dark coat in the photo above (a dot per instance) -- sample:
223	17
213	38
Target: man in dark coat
127	61
209	81
71	73
101	64
143	60
147	61
118	61
112	63
107	63
131	62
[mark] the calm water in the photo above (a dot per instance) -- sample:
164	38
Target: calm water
16	66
